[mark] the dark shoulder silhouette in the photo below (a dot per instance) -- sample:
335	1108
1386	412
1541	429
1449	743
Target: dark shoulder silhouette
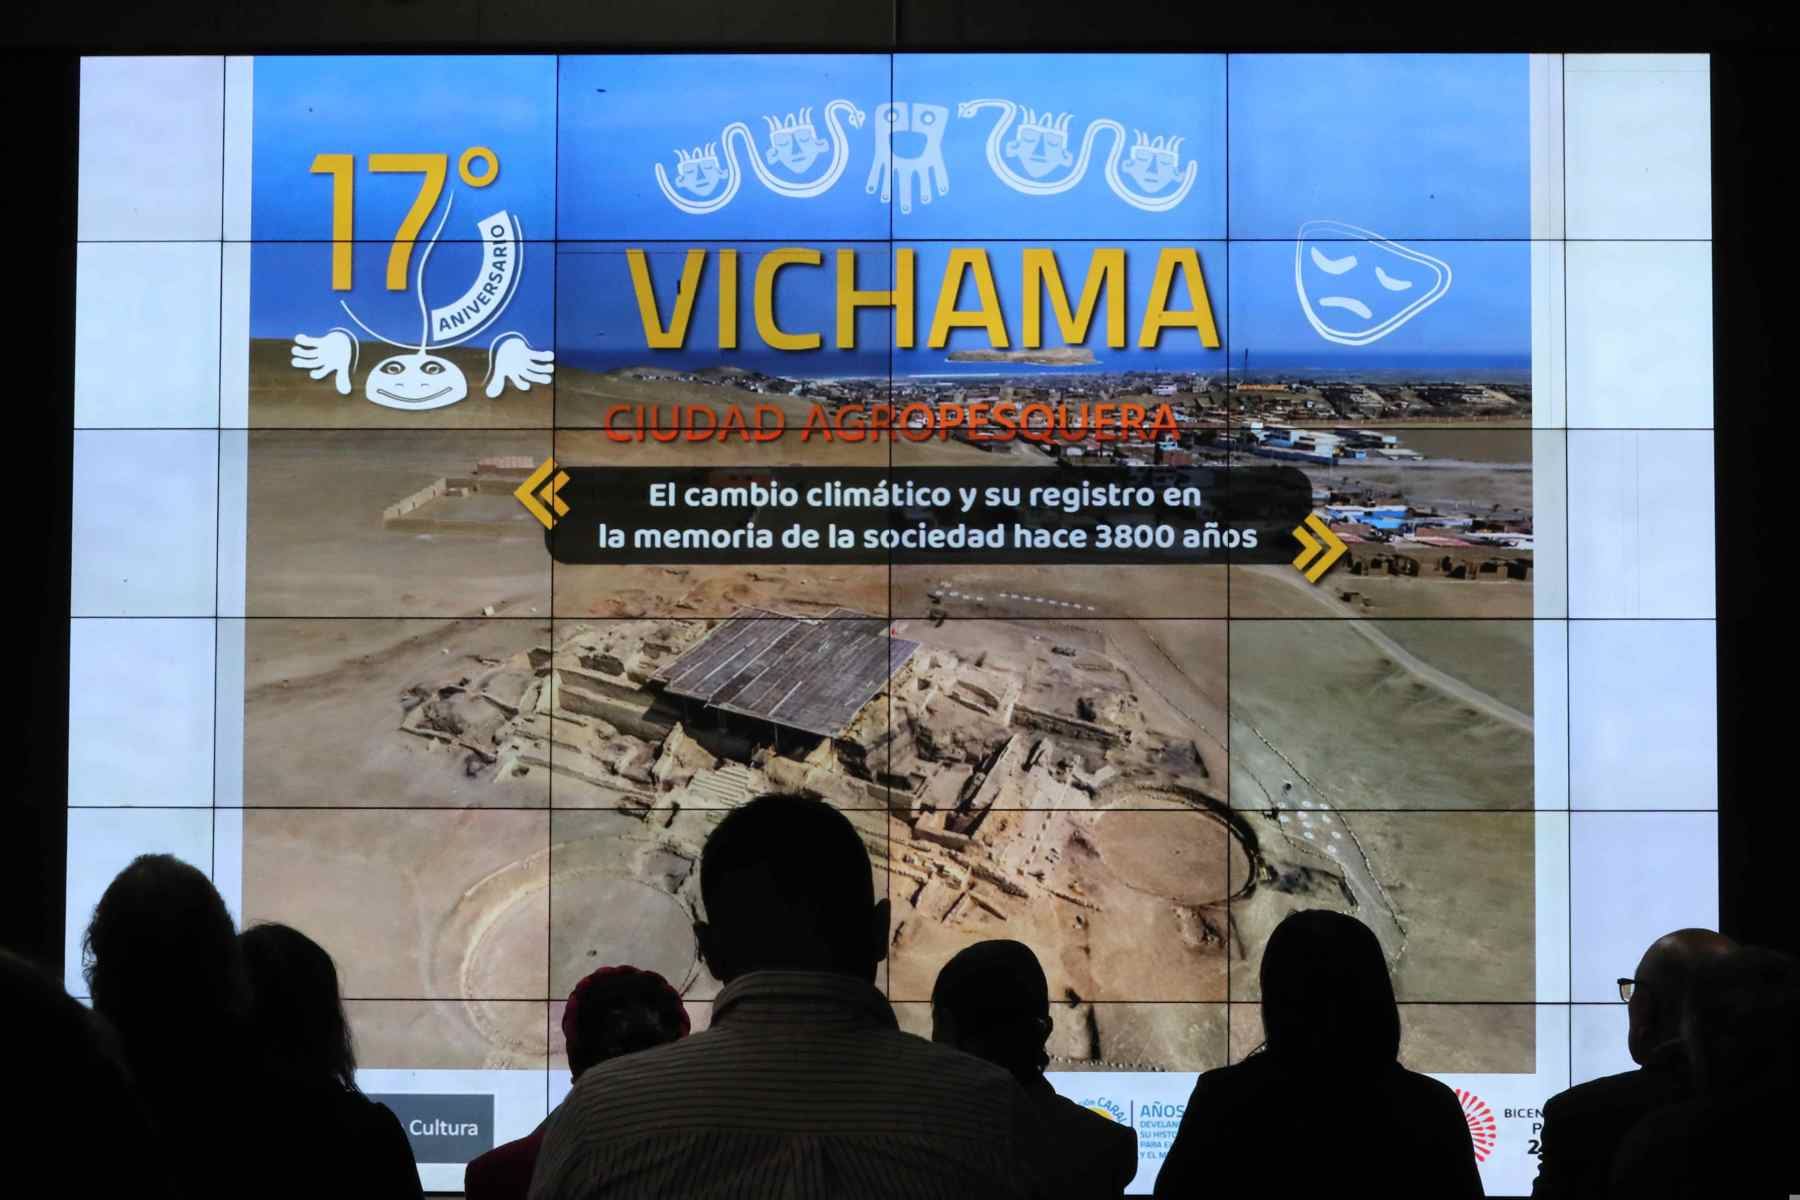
1388	1132
69	1084
164	971
1101	1154
1741	1032
1324	1106
336	1140
992	1000
1584	1126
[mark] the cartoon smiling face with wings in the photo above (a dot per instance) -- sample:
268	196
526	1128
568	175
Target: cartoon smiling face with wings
1357	287
417	380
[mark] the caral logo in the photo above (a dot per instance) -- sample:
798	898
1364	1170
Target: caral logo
1484	1131
420	378
1106	1108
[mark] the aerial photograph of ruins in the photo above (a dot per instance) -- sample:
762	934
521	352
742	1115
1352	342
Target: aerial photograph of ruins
1137	770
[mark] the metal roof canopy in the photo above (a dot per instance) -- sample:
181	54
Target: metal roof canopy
805	673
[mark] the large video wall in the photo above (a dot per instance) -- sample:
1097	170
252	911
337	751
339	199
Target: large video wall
370	349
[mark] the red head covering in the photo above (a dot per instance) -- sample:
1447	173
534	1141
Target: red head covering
615	984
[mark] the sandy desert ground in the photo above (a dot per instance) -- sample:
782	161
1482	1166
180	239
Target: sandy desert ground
502	903
1270	766
284	397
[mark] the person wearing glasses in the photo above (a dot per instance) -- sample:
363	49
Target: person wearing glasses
1584	1126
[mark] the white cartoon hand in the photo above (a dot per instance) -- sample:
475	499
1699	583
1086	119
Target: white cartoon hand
512	360
332	353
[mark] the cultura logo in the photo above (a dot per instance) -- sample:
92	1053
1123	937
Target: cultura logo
1484	1131
1106	1108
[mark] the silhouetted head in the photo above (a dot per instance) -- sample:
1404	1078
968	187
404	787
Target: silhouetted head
296	1010
1326	995
44	1023
162	964
620	1010
1741	1027
992	1000
787	886
68	1081
1662	981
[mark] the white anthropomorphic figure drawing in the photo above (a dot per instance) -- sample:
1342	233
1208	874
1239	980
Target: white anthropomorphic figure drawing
419	380
1040	144
1155	162
914	166
710	175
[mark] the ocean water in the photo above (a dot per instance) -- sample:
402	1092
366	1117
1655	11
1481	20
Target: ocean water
839	364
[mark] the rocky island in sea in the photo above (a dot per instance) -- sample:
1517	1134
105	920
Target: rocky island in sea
1062	356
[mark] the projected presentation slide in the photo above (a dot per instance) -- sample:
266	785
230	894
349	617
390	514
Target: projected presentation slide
1149	495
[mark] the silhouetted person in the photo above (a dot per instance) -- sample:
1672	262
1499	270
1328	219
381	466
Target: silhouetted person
1323	1107
803	1086
344	1144
164	971
992	1000
66	1084
612	1012
1584	1125
1734	1137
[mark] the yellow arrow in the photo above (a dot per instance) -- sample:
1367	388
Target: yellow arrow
1308	547
1320	553
528	493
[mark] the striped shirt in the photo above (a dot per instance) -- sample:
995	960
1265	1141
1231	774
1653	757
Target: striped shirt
803	1088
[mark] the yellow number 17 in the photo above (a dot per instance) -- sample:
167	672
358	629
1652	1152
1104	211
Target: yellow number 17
342	169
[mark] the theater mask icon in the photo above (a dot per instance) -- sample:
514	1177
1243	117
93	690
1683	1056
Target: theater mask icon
1356	287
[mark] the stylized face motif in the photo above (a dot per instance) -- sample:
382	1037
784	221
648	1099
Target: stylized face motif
796	147
1357	287
699	175
417	382
1152	170
923	125
1040	150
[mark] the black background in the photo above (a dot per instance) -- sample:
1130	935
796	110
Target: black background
1756	282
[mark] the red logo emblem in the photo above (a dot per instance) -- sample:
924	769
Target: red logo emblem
1484	1131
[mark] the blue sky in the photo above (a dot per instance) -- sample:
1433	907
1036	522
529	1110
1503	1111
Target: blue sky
597	311
290	289
598	320
396	104
424	104
1410	146
1486	312
623	115
1177	345
1414	148
1163	95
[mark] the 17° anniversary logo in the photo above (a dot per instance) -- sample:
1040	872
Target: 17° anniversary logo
418	379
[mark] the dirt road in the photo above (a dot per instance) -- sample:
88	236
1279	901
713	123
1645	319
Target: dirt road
1418	668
